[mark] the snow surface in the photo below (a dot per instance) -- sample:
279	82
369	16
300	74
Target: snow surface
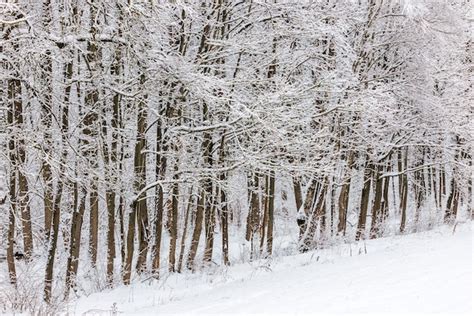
419	273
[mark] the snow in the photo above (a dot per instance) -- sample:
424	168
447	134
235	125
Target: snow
418	273
301	215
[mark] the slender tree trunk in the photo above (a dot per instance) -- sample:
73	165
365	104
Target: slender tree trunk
209	200
364	203
110	200
46	109
452	203
160	169
49	274
271	207
225	227
420	188
185	232
75	243
254	211
158	231
264	223
139	214
53	240
143	235
130	245
315	218
23	191
173	221
384	206
91	118
434	185
196	232
343	201
12	197
11	232
298	194
110	159
46	170
93	222
404	193
310	197
14	92
377	205
224	209
123	240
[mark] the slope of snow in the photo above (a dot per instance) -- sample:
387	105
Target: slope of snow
420	273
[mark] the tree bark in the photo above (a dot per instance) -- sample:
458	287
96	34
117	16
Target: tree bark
343	202
196	232
315	218
185	232
12	198
271	207
56	215
364	203
298	195
173	222
377	204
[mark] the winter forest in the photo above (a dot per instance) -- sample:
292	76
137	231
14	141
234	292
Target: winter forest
143	139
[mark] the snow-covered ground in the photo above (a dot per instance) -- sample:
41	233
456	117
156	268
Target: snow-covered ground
419	273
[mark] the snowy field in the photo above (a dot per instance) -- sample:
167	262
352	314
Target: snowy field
429	272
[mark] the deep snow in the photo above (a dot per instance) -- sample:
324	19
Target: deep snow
419	273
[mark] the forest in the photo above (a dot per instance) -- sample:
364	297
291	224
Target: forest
144	138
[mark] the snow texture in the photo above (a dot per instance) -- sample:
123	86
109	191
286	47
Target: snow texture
419	273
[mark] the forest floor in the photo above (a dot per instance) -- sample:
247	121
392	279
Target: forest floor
417	273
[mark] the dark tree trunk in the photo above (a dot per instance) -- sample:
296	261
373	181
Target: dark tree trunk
364	202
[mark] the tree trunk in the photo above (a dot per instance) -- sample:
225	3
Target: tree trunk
343	202
225	226
130	244
93	222
298	195
75	243
14	91
110	200
53	239
49	274
12	197
264	223
209	200
139	214
196	232
271	207
384	206
315	217
452	203
185	232
173	221
376	206
254	211
46	109
364	203
160	169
